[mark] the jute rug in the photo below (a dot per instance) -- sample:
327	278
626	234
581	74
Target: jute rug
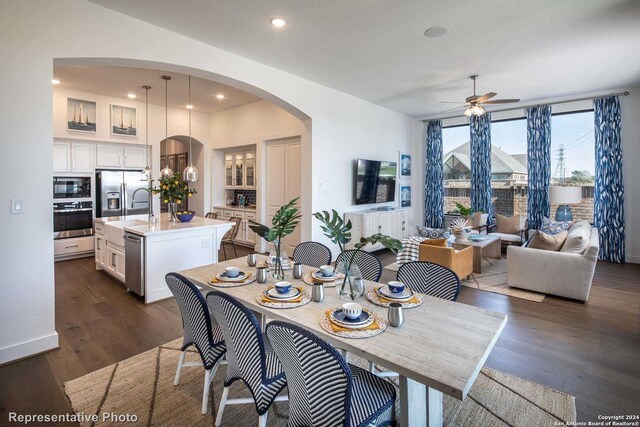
492	279
142	386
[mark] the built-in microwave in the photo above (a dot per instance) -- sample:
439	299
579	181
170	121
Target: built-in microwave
71	187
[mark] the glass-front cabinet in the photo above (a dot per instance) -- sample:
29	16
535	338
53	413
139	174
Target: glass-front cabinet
250	170
240	169
239	176
228	170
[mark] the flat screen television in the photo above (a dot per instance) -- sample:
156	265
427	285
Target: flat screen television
375	182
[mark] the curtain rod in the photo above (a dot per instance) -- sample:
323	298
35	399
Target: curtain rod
625	93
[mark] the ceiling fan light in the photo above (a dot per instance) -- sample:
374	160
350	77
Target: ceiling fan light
467	112
476	110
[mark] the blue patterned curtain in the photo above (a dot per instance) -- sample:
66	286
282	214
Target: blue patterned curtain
433	184
539	164
608	211
480	130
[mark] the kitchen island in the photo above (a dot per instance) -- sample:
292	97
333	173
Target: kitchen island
140	254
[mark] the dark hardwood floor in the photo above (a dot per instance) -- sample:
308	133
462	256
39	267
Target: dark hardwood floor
591	351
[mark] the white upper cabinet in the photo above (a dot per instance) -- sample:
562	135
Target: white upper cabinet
82	157
134	156
240	169
61	157
109	156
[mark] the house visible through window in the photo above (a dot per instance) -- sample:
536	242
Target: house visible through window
572	157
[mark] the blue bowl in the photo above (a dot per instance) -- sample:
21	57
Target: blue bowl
283	287
396	287
186	217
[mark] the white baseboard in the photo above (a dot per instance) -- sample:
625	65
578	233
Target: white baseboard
28	348
632	259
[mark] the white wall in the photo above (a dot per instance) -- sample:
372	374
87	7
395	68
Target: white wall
177	125
630	134
39	31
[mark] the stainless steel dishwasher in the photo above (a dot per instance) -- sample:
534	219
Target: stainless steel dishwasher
134	263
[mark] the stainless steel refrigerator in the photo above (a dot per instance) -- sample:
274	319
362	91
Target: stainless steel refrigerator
120	193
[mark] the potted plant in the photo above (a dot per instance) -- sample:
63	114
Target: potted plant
284	222
339	233
460	227
173	190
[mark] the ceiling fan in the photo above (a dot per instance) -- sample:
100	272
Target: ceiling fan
474	104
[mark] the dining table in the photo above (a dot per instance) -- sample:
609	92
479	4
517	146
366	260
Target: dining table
439	348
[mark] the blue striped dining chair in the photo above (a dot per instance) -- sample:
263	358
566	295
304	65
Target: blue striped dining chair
313	254
324	390
250	358
430	279
198	331
369	265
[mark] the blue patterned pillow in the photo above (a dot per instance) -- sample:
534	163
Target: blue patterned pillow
550	226
433	233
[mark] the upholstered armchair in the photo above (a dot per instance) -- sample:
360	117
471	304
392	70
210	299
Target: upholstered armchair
510	230
459	261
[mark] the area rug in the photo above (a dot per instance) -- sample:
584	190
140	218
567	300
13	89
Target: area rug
492	279
142	386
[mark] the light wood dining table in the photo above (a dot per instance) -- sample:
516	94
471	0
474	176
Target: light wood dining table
440	348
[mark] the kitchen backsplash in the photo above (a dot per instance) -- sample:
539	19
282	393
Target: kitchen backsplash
249	194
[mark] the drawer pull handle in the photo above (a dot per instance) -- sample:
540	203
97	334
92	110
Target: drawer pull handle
72	246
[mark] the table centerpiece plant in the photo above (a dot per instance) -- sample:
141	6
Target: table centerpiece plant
284	222
173	190
339	232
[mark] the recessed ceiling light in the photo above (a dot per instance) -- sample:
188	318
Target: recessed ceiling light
131	95
189	107
434	32
278	22
55	82
220	96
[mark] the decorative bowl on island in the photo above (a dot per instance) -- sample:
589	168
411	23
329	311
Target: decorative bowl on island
185	216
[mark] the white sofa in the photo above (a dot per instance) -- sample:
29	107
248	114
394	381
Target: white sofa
557	273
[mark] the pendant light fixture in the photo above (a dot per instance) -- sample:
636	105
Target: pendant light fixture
166	172
190	173
146	173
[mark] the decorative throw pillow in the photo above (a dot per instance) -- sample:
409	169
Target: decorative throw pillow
550	226
478	219
433	233
548	242
508	225
435	242
577	238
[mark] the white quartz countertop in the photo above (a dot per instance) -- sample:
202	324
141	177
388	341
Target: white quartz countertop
164	226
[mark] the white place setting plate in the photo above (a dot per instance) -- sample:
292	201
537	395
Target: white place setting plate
365	319
386	292
293	293
239	278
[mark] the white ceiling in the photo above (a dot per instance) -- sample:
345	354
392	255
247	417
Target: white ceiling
117	82
376	50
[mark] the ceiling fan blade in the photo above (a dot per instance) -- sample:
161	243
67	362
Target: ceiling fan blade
501	101
452	109
486	97
472	98
452	102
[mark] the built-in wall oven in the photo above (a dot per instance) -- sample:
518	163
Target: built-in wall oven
72	219
71	187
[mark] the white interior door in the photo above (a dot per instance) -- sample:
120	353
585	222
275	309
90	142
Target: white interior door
292	185
283	172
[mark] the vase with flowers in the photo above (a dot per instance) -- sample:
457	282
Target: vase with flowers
173	190
339	232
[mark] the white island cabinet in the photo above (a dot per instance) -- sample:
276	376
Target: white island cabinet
159	249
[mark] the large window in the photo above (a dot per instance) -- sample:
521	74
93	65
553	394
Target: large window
457	168
509	167
572	157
